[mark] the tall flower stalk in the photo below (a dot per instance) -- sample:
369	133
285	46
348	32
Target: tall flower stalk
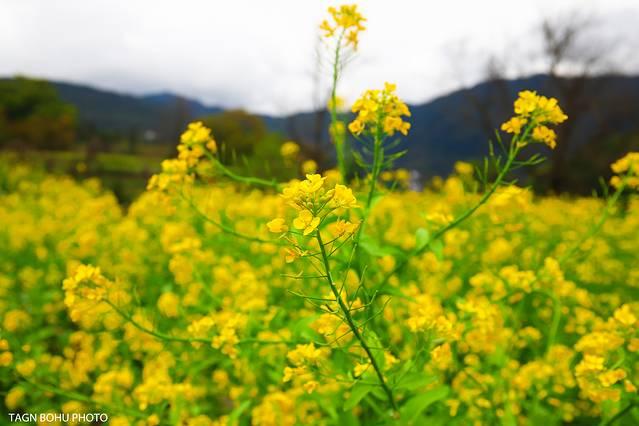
341	32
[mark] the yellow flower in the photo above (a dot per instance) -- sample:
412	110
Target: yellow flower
342	197
526	103
196	133
168	304
545	135
15	320
312	183
629	162
380	110
342	227
305	354
464	168
549	111
309	166
14	398
537	111
194	142
590	363
356	127
328	30
277	225
311	386
26	368
289	150
360	369
306	221
514	125
611	377
389	360
629	165
625	316
345	20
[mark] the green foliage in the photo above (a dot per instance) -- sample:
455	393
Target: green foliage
237	133
32	115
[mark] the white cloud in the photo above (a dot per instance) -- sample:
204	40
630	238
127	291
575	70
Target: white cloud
259	55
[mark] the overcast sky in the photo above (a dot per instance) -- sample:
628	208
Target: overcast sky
260	55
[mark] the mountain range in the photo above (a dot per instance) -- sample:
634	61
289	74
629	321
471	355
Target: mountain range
453	127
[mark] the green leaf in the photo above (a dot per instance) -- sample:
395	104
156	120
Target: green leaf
235	414
393	291
415	406
302	328
413	381
422	238
358	392
438	248
372	247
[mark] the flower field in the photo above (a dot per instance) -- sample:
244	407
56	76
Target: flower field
339	298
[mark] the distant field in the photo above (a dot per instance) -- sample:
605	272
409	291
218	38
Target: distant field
124	174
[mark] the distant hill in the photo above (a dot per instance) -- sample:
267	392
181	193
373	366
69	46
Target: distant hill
122	113
166	99
458	126
453	127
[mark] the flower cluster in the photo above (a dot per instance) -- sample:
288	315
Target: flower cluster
599	375
313	203
484	318
196	143
6	357
86	284
535	112
304	360
628	165
380	112
346	23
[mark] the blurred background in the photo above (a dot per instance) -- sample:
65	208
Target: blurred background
104	89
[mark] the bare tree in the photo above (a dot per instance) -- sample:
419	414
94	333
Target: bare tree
573	54
575	58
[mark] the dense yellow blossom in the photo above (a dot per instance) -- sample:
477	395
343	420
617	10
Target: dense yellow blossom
535	112
380	111
346	22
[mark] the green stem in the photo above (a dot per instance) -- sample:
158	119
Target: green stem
556	319
612	201
249	180
226	228
619	415
378	156
170	338
338	139
352	325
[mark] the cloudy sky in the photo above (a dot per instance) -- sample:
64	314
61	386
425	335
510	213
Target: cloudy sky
261	55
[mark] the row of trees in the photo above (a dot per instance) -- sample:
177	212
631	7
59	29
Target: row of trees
32	115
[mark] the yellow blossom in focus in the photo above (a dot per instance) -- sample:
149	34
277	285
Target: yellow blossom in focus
380	111
545	135
346	22
306	221
514	125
